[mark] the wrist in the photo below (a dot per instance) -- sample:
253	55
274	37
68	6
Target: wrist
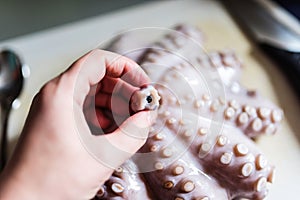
18	184
30	183
10	187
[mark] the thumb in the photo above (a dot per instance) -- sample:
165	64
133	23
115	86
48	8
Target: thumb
132	134
120	145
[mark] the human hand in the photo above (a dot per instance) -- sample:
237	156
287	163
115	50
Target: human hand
57	157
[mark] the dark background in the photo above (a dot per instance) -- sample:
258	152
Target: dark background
19	17
293	6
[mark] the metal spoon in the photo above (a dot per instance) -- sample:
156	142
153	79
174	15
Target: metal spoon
11	84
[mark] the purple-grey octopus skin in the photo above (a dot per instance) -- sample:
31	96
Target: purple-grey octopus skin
134	47
247	111
173	173
235	162
232	158
252	114
182	43
184	40
124	184
170	50
226	63
128	45
244	175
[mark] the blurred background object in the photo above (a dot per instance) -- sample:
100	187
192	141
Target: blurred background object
19	17
293	6
275	29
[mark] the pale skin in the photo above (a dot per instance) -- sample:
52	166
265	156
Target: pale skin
50	161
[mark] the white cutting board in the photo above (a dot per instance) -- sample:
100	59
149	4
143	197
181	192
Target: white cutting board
49	52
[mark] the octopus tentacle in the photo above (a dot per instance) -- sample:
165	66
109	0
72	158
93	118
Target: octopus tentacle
252	114
245	110
124	183
232	158
227	64
184	43
180	44
127	44
218	160
140	49
146	98
176	174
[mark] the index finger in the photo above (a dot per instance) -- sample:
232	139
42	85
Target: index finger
118	66
92	67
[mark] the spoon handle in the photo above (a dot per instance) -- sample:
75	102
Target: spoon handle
4	113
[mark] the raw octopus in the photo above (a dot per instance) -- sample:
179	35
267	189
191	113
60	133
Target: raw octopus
188	155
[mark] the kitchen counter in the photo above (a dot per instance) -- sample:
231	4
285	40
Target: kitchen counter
50	52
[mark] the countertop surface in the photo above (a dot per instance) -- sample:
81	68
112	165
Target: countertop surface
49	52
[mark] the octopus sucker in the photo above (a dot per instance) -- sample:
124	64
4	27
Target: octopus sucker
146	98
261	162
249	110
241	149
234	163
168	184
189	158
167	53
202	198
202	131
159	136
229	113
124	184
271	176
187	134
158	166
226	158
101	192
263	110
242	119
222	140
253	121
198	103
188	186
167	152
243	112
256	125
247	169
269	129
261	184
276	116
119	169
154	148
177	178
178	170
171	121
234	104
204	147
215	105
117	188
205	97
